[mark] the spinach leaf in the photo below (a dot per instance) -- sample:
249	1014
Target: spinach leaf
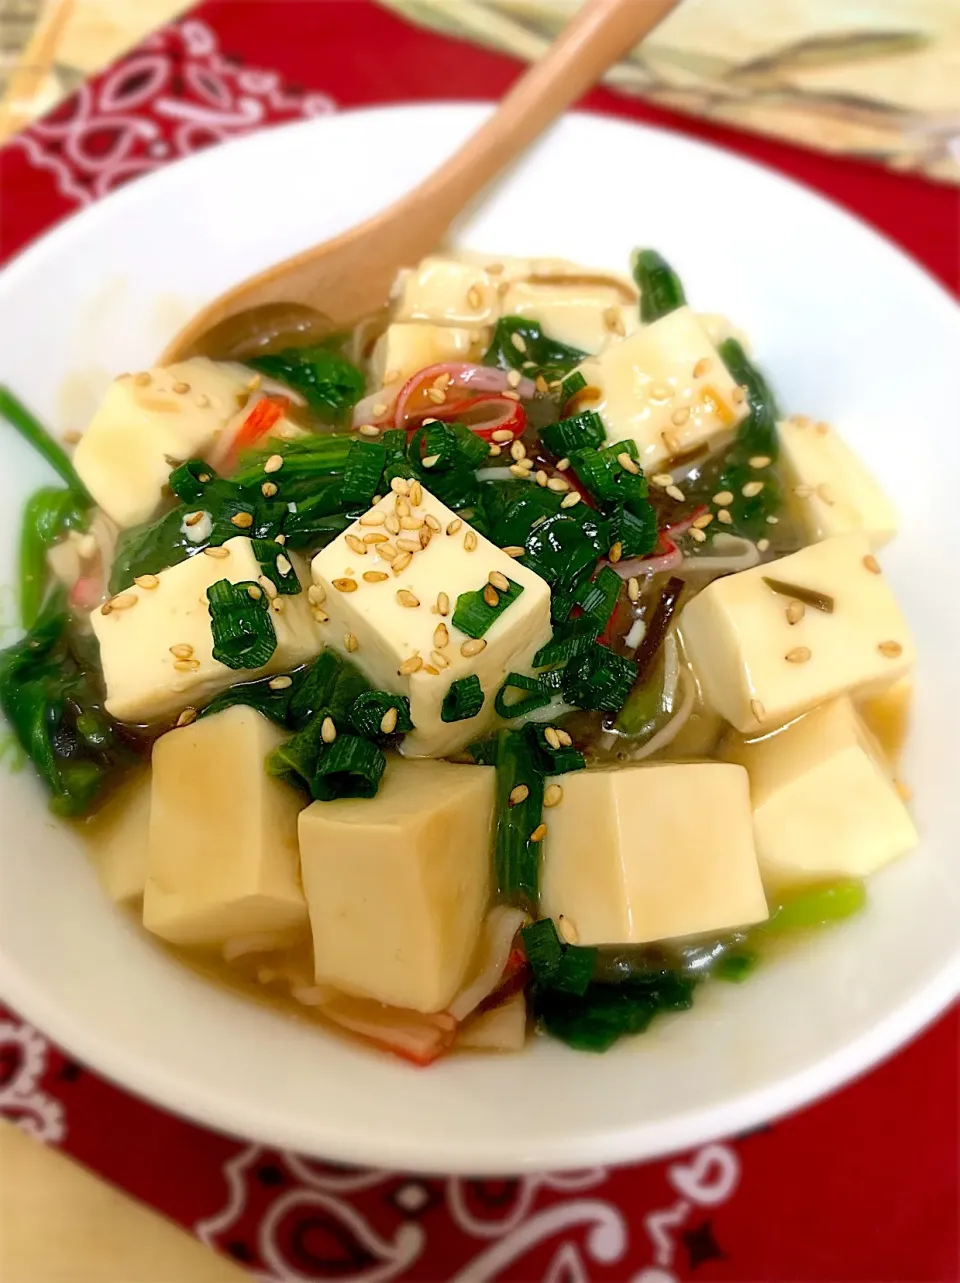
517	340
47	516
331	384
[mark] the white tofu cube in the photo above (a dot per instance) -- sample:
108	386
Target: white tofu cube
397	885
824	801
447	291
665	388
383	614
589	315
145	421
408	346
887	715
829	489
117	838
758	670
652	852
146	681
223	859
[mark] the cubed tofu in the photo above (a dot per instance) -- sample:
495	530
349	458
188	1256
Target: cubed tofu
386	625
143	680
830	490
665	388
118	840
824	801
447	291
408	346
223	858
397	885
587	313
758	670
652	852
169	413
887	715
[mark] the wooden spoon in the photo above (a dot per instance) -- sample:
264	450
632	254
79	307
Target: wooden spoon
350	276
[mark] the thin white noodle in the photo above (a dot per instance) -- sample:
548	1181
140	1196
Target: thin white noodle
667	734
712	565
259	942
495	474
671	670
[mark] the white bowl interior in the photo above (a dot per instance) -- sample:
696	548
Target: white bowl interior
850	331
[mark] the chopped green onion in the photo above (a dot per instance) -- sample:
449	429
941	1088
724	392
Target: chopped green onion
331	684
474	615
570	386
308	462
575	970
757	434
543	949
568	640
660	289
548	356
269	555
296	759
516	856
473	449
817	906
539	690
604	1013
598	597
362	473
552	761
463	700
604	475
189	481
599	680
330	383
349	767
243	632
735	967
633	525
370	708
35	434
272	702
576	433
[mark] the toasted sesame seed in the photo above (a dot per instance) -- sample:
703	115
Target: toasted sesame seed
570	500
143	379
676	493
567	929
627	463
520	473
408	545
401	507
268	489
71	436
368	430
615	552
826	493
443	604
751	489
441	636
320	616
738	395
187	716
345	585
661	391
387	551
426	534
680	415
542	386
469	541
388	722
662	479
723	516
350	642
401	561
723	497
517	550
183	650
356	545
519	794
411	665
494	269
473	647
411	523
392	523
772	521
186	665
763	545
502	435
633	589
439	659
180	387
494	451
406	598
268	586
553	795
539	833
513	378
697	535
703	521
254	591
437	395
416	493
432	523
218	552
274	463
193	518
490	595
799	655
123	601
518	342
518	450
375	538
558	485
758	710
277	605
281	683
453	526
511	396
328	730
552	736
795	612
760	461
242	520
871	564
375	576
499	580
380	408
431	460
399	485
890	649
564	738
147	581
474	297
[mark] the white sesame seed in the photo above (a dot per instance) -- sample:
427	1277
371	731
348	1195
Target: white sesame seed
553	795
388	723
401	561
351	642
760	461
187	716
763	545
123	601
552	737
751	489
513	378
627	463
375	576
473	647
723	497
280	683
724	517
411	665
274	463
567	929
407	598
519	793
372	519
453	526
355	544
328	730
408	545
519	472
795	612
697	535
443	604
399	485
675	493
219	553
501	435
558	485
570	500
268	586
147	581
539	833
799	655
368	430
633	589
563	465
518	342
662	479
469	541
542	478
564	738
268	489
518	450
517	550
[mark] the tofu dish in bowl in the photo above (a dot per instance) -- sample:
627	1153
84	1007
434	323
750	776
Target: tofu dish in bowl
507	664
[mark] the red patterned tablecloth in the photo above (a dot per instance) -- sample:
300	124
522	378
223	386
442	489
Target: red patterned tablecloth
863	1186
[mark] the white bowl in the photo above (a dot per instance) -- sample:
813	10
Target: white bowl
849	329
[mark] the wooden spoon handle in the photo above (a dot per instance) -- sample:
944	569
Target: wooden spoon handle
600	33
